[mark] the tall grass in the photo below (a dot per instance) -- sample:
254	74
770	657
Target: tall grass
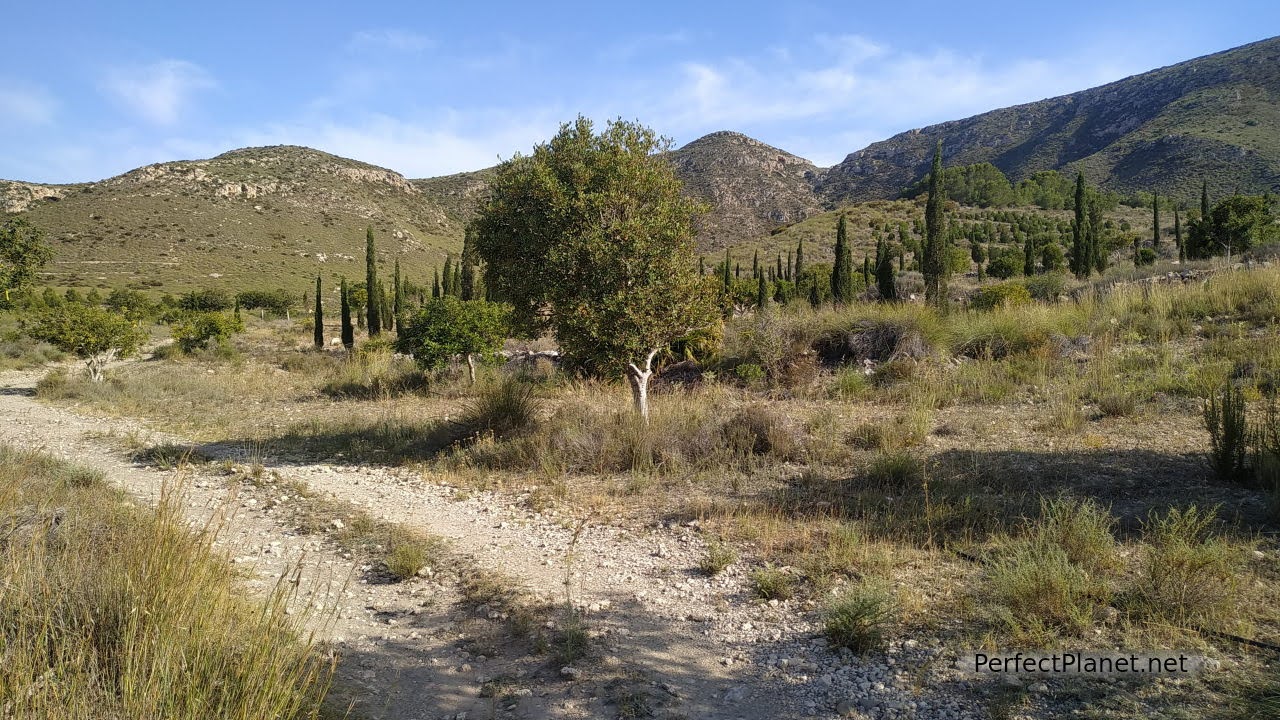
109	610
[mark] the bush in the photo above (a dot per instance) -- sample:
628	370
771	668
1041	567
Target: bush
199	331
205	301
770	583
1083	529
858	618
505	408
1039	593
1006	264
91	333
717	557
1224	418
1046	287
1189	574
1009	294
749	374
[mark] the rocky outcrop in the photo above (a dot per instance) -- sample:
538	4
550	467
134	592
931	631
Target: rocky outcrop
18	196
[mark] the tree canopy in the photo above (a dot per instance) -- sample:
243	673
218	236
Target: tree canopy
22	252
90	332
447	327
591	238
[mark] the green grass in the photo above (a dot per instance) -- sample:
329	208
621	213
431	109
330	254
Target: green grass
112	610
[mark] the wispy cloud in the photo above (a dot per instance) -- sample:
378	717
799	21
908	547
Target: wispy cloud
860	88
159	92
25	105
397	40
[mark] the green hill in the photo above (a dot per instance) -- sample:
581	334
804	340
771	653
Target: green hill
256	217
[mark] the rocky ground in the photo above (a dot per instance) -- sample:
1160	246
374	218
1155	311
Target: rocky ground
665	640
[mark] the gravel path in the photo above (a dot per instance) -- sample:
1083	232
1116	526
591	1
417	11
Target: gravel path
667	641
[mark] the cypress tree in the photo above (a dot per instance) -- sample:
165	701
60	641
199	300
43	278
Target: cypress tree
319	319
790	268
1177	235
884	273
815	299
842	268
384	303
467	280
726	279
755	264
348	332
1155	221
1028	257
866	270
236	309
762	291
457	279
737	270
435	283
398	298
374	317
799	259
446	276
1081	256
702	266
1095	236
778	269
1204	201
933	263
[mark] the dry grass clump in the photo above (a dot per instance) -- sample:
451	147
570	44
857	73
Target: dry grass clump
114	611
373	373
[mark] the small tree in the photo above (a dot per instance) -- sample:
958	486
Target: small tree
592	238
448	327
884	273
348	332
22	252
319	319
91	333
842	268
196	331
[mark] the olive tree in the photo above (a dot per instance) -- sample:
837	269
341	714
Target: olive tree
591	238
92	333
447	327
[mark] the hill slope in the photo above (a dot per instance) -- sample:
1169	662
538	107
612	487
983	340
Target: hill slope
1215	118
261	217
751	187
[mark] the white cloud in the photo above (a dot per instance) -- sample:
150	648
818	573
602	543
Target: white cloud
852	87
23	105
159	92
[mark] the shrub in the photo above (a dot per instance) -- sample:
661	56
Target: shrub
198	331
857	619
1006	264
717	557
770	583
1040	592
1224	417
91	333
447	327
1082	528
1046	287
759	430
1190	574
204	301
504	408
409	554
1009	294
895	471
750	374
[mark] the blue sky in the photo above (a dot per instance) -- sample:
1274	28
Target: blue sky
92	89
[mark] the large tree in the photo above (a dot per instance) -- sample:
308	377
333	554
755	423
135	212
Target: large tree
1081	255
591	238
934	261
318	320
22	251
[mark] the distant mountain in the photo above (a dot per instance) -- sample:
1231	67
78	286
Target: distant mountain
751	187
1214	119
265	217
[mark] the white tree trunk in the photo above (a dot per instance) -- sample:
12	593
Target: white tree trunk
97	363
471	368
640	384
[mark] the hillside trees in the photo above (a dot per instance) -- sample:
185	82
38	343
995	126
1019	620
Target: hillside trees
1237	223
22	252
842	267
934	263
91	333
591	238
348	332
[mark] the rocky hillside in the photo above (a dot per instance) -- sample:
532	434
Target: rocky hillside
272	216
751	187
1215	118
